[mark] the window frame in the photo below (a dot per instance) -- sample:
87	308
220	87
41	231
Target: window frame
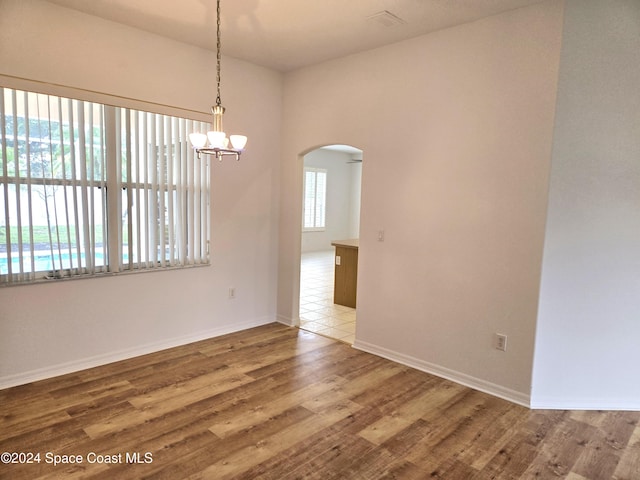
314	199
110	189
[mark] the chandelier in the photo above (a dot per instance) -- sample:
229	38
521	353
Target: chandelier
215	142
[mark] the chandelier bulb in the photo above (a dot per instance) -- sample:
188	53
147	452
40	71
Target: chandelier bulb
238	142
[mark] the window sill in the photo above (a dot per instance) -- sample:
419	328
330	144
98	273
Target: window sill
51	280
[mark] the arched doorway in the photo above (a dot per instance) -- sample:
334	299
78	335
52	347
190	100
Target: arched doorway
331	212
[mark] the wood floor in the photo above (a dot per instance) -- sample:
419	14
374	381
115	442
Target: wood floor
280	403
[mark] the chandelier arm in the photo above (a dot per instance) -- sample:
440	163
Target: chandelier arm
219	152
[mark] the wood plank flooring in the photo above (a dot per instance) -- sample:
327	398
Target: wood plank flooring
280	403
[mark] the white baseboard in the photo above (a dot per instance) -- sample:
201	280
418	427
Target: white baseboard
461	378
288	321
585	404
103	359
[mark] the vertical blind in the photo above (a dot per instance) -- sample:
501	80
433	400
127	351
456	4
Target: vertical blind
164	192
87	188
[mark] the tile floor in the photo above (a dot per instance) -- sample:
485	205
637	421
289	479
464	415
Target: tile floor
318	313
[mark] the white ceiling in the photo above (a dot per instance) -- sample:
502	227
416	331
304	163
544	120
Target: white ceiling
287	34
355	153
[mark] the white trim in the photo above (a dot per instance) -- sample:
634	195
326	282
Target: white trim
98	360
585	404
461	378
289	322
19	83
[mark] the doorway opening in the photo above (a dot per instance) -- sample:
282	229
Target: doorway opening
332	181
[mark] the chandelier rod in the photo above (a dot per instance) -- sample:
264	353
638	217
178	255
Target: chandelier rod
218	49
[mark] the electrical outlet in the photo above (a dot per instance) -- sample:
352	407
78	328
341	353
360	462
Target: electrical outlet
381	235
501	342
232	292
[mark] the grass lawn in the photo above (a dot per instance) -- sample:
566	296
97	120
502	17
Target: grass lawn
41	235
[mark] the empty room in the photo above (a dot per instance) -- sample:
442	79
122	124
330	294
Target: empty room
150	272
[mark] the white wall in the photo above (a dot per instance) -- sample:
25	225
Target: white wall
457	130
355	200
51	328
343	199
587	353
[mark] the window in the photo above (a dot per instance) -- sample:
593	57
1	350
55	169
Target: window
87	188
315	198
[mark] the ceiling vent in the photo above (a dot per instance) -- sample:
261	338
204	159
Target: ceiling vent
386	19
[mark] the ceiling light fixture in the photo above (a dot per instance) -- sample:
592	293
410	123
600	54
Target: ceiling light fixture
215	142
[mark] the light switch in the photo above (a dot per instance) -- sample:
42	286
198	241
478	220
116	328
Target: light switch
337	259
